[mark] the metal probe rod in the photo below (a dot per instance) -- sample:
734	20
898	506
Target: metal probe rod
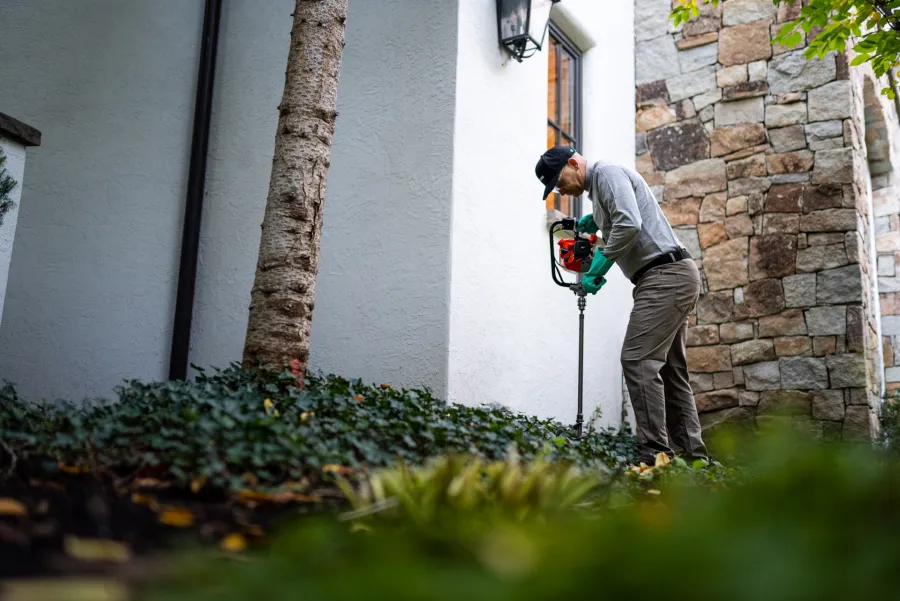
579	420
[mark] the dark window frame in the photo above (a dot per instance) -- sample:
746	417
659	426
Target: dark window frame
554	33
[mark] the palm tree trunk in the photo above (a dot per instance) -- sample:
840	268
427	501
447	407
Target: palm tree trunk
283	294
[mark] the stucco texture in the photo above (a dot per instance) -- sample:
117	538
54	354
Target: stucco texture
110	84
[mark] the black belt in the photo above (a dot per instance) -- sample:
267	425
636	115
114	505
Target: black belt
669	257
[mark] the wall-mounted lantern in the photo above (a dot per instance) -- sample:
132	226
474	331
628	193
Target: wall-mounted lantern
522	25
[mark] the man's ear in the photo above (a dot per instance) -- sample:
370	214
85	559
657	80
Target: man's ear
573	162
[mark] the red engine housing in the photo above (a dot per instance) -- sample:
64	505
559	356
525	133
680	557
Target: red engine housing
569	260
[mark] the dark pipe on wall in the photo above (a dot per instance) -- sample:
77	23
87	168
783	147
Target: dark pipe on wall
190	239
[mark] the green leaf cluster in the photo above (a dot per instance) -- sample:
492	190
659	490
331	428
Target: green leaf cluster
224	425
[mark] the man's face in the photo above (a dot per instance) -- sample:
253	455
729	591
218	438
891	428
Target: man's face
571	179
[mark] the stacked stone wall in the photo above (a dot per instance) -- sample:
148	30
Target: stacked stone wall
757	156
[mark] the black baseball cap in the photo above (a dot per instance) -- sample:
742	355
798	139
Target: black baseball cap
551	164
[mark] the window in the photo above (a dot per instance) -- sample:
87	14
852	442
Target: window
563	106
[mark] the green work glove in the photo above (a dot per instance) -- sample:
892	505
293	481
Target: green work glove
593	279
587	225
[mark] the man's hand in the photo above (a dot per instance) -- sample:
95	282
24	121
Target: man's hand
591	285
587	225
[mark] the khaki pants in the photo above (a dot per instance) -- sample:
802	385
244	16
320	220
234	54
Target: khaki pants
655	363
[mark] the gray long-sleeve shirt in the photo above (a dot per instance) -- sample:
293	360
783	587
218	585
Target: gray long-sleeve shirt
634	228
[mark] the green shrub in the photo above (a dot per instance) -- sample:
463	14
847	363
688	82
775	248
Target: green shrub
232	423
810	523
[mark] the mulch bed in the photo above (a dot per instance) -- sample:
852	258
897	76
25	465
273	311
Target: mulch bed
79	525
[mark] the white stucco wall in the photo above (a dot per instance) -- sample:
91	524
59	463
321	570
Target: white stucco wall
382	292
111	85
15	168
513	332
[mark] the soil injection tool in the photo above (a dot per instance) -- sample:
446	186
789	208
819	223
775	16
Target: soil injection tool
575	256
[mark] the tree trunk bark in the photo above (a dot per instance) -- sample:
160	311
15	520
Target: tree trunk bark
283	294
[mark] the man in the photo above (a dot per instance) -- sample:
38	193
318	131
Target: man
666	281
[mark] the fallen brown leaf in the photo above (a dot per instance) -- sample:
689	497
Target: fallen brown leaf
96	549
179	517
12	507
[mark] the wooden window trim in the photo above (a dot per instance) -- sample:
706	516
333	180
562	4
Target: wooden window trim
556	34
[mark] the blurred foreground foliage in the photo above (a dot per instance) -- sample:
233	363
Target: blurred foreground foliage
803	521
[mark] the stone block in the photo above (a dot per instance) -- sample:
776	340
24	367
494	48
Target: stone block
656	59
784	198
724	379
757	71
745	43
653	117
736	332
841	285
784	115
828	405
707	115
772	256
823	196
800	290
713	401
738	12
727	140
742	154
789	162
886	266
736	205
786	323
690	84
855	326
762	297
754	166
852	244
678	144
738	226
833	166
640	144
705	101
747	398
784	402
715	307
687	235
781	223
803	373
823	130
826	321
790	178
751	89
829	220
792	346
792	72
731	76
726	264
652	94
693	58
749	186
690	42
830	144
847	371
762	376
702	25
748	110
817	258
711	233
857	425
886	201
888	242
696	179
831	101
789	12
713	207
651	19
701	382
702	335
785	139
890	325
709	359
824	345
752	351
